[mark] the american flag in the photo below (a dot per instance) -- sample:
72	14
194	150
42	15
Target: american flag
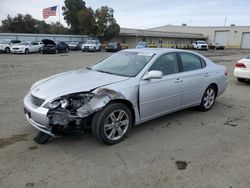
50	11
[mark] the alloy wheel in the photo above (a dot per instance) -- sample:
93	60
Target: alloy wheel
209	98
116	125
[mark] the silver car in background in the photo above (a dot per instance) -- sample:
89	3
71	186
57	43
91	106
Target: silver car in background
125	89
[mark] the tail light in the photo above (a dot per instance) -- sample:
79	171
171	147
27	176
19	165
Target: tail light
240	65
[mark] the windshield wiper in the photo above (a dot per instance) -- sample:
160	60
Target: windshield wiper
104	71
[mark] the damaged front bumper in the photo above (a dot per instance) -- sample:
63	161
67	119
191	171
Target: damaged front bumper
36	116
53	122
38	126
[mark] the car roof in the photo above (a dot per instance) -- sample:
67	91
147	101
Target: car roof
154	50
160	51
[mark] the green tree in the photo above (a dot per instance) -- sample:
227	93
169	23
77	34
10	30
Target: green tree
111	31
106	23
70	12
87	23
27	24
57	28
19	24
42	27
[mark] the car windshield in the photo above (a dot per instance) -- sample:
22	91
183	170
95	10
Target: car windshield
112	44
4	41
24	43
141	43
127	64
201	42
91	42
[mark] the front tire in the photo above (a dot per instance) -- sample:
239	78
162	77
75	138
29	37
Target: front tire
208	99
26	51
112	124
7	50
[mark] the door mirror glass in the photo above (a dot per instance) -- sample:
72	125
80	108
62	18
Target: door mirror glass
153	74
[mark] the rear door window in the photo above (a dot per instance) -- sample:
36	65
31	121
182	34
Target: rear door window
190	61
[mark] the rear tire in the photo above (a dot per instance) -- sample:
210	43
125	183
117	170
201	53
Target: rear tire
208	98
112	124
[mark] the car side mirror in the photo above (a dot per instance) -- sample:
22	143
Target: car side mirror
153	74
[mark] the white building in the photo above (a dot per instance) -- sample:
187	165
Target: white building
230	36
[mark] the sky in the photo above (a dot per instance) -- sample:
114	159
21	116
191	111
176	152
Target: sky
143	14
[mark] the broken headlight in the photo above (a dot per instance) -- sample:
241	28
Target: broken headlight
70	102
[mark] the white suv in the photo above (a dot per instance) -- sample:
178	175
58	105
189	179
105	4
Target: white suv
6	44
200	45
91	45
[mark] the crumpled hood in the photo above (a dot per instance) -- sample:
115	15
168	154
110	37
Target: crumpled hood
82	80
48	41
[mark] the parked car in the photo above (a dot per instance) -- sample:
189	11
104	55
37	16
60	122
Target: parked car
200	45
91	45
242	69
51	46
125	89
142	45
216	46
113	47
26	47
6	44
75	45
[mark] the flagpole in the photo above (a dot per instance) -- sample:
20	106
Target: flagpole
59	13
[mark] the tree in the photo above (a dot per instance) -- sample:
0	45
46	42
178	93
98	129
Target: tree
106	23
87	23
19	24
57	28
27	24
111	31
42	27
71	9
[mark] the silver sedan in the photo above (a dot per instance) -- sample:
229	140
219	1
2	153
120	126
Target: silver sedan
125	89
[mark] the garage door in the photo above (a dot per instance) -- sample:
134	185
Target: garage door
245	41
221	37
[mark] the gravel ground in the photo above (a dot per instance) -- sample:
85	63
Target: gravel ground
188	149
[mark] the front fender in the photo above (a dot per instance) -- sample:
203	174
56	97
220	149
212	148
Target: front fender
102	97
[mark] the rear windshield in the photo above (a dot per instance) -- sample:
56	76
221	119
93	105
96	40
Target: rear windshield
248	57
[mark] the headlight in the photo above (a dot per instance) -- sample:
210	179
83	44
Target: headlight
54	105
70	102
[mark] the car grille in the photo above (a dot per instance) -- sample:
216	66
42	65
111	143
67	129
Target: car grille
36	101
15	48
203	46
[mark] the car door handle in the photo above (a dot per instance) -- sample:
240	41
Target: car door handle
178	80
207	74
